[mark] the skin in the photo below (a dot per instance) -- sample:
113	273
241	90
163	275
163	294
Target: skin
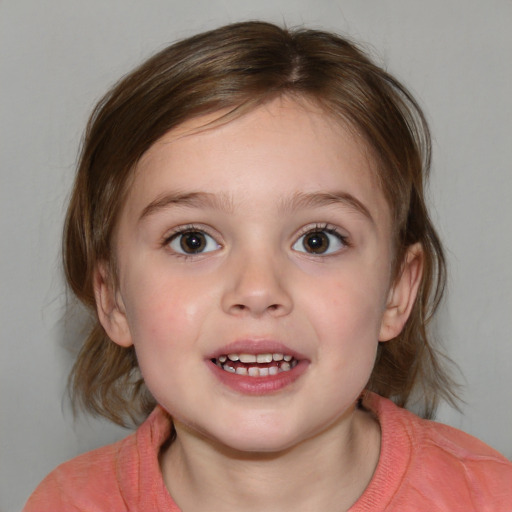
304	446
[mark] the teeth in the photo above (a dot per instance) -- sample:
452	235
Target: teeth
255	358
257	371
247	358
282	363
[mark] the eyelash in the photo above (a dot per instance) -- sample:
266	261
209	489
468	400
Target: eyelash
183	230
323	228
317	228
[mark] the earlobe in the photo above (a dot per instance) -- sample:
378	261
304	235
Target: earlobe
402	294
110	308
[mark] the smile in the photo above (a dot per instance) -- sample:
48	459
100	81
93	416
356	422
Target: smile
256	365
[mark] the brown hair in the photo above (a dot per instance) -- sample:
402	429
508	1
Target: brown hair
237	67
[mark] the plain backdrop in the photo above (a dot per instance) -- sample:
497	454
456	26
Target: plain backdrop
57	57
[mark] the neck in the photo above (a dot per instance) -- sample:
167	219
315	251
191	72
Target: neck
326	472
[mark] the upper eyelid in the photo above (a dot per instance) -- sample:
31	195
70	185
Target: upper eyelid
180	230
341	233
316	226
186	228
210	231
321	226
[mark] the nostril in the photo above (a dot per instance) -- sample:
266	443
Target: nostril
242	307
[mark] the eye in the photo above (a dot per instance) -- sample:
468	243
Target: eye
320	241
192	242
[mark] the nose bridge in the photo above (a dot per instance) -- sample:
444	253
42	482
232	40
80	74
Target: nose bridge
256	284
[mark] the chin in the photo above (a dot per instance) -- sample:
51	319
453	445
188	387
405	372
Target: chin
262	445
258	438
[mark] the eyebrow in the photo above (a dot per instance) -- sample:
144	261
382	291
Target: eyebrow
189	199
224	203
320	199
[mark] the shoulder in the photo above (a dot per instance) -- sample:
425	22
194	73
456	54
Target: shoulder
460	464
442	466
116	477
77	484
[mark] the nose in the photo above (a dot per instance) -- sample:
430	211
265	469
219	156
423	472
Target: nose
256	286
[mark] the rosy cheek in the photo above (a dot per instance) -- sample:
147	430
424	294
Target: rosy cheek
351	312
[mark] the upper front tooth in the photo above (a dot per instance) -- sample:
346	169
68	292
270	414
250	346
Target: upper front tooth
259	358
247	358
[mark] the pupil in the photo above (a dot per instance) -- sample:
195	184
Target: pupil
193	242
317	242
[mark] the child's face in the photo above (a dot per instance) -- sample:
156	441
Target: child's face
266	235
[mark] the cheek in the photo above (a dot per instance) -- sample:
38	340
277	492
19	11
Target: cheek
163	310
165	318
351	325
351	306
155	287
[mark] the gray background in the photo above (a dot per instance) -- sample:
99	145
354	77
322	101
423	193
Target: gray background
57	57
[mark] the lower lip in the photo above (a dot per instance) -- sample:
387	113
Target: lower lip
258	385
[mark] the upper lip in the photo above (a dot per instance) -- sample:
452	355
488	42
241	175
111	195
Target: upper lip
255	346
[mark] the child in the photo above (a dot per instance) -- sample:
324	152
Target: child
248	223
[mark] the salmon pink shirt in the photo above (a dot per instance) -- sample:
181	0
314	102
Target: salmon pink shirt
423	466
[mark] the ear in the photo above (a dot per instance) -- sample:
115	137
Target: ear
402	294
110	307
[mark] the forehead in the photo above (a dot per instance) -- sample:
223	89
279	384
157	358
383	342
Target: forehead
276	150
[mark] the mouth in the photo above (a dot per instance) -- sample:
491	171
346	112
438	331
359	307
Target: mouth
255	365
